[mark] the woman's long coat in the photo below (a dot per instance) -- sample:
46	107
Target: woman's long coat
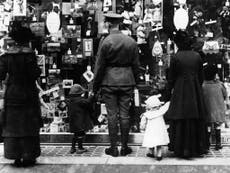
22	114
185	82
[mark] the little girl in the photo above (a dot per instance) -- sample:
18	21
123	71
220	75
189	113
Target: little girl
79	109
156	133
214	95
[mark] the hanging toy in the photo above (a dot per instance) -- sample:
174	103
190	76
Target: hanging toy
157	50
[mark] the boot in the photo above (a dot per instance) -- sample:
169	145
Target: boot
218	139
159	153
124	125
81	149
113	130
73	149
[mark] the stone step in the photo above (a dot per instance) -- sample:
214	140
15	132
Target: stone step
103	138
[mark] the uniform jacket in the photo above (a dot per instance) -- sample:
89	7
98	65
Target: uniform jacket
79	110
214	95
21	102
185	83
118	61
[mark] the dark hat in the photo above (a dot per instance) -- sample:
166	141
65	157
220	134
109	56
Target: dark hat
113	17
76	89
183	40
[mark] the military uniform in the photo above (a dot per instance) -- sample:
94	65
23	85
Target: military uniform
116	73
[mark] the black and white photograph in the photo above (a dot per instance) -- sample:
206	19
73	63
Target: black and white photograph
114	86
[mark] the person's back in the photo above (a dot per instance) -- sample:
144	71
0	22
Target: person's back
186	115
214	96
120	60
116	73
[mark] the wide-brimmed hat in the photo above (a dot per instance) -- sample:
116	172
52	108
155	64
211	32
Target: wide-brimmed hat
153	101
76	89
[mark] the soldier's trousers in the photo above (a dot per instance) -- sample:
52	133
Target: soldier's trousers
118	101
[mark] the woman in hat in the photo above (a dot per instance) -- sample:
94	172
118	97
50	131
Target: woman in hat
186	114
79	110
21	119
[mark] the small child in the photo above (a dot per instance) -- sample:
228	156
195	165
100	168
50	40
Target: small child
79	109
214	95
156	133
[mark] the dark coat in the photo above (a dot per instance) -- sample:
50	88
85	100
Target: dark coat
185	82
117	63
79	110
214	95
21	102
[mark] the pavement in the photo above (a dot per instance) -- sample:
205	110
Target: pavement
56	158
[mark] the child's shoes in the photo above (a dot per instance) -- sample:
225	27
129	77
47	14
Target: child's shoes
150	155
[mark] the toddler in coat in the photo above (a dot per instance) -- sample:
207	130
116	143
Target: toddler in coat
79	110
152	120
214	95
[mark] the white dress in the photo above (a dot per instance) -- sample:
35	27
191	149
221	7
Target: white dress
156	131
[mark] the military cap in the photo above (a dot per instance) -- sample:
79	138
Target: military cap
113	17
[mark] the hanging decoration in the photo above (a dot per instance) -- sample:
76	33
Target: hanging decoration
225	19
19	8
181	18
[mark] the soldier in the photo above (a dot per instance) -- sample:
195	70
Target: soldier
116	74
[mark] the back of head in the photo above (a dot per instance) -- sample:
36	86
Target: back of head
183	40
210	72
20	34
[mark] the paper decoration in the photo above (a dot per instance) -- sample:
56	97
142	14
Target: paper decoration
155	2
88	75
157	49
107	4
211	47
88	47
66	8
41	64
103	109
181	19
19	8
53	22
67	83
38	28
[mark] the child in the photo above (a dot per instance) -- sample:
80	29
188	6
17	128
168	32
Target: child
214	96
156	133
79	109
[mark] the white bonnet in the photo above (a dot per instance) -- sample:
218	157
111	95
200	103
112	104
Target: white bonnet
153	101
